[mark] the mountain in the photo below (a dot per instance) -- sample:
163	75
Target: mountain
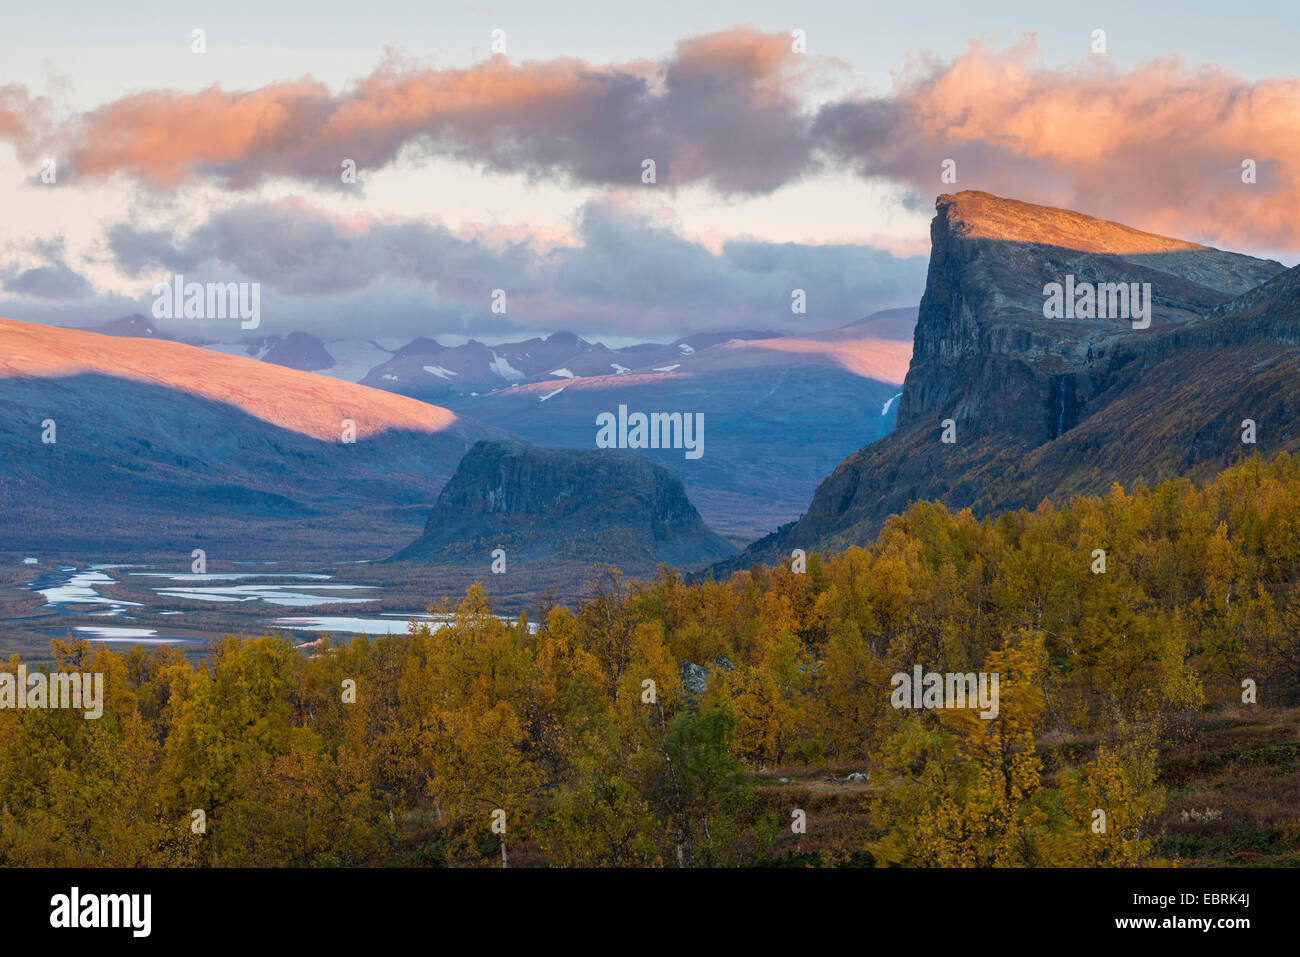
419	347
779	412
298	350
347	359
554	507
136	327
425	369
1059	406
163	447
889	324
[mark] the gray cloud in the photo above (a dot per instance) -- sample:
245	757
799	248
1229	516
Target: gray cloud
55	281
626	276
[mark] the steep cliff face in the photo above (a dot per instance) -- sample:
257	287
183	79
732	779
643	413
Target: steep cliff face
1268	313
985	355
1034	401
564	506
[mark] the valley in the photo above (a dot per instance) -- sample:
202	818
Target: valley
124	604
693	442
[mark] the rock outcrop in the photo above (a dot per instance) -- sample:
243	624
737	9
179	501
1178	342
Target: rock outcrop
1058	406
540	504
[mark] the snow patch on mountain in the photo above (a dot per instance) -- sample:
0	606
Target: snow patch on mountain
504	369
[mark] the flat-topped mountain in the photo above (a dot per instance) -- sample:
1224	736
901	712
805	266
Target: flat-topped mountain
555	506
985	354
1038	405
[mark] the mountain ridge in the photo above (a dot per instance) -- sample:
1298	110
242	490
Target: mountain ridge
1026	397
118	447
294	399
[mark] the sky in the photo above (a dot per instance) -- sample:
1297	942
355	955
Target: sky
796	146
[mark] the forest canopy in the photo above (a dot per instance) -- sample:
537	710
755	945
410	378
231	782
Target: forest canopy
643	726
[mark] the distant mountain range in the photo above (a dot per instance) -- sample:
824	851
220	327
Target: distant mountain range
1053	406
780	411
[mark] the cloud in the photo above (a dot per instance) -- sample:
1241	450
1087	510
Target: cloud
623	272
299	249
717	110
50	282
1160	147
23	119
54	280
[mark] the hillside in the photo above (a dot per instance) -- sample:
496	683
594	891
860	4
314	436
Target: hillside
769	691
161	447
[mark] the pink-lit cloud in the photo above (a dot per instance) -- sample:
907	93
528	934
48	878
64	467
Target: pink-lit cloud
23	118
720	110
1160	147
